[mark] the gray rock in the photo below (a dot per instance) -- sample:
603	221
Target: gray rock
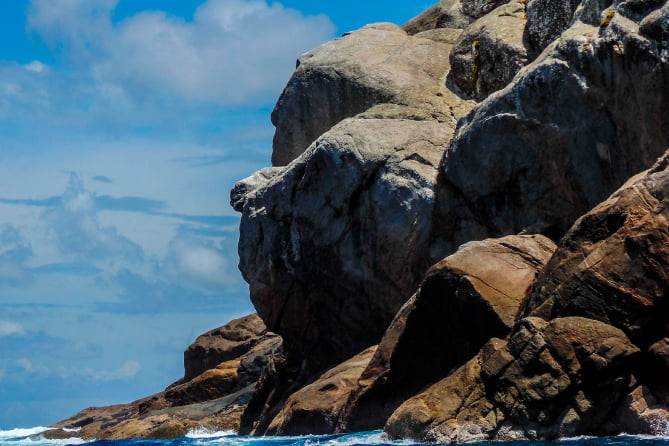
490	51
567	132
377	64
334	244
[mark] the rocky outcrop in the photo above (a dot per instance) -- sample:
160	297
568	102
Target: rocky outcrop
375	65
598	366
222	344
464	300
214	399
613	264
315	408
550	380
335	243
490	51
451	14
569	130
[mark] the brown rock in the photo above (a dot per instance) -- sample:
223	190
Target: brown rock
464	300
214	399
222	344
612	265
562	378
314	409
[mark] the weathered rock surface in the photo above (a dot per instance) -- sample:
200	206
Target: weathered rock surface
464	300
315	408
490	51
613	264
450	14
334	244
377	64
551	379
215	399
568	131
222	344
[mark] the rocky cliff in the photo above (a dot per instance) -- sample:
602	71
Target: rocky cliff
434	242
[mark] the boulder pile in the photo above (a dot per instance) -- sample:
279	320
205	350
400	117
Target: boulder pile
464	236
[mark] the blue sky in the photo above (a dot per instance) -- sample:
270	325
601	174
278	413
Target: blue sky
123	126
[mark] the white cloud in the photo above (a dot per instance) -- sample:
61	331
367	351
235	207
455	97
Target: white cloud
127	370
25	365
8	328
233	51
77	231
35	66
201	262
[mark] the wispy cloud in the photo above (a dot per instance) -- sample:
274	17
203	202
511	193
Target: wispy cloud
8	328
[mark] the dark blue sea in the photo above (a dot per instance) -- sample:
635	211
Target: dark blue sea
32	437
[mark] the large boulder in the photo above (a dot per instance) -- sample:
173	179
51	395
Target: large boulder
315	408
552	379
571	128
336	242
377	64
450	14
613	265
222	344
464	300
490	51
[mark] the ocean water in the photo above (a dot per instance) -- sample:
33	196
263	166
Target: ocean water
32	437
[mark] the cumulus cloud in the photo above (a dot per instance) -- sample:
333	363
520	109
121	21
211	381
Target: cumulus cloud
231	53
201	261
8	328
78	232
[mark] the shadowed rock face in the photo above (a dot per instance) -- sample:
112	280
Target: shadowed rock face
551	379
464	300
222	344
601	374
569	129
613	264
335	243
490	51
315	408
375	65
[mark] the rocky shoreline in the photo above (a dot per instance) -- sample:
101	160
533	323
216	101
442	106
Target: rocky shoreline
464	236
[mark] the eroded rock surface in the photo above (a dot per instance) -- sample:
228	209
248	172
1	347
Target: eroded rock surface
550	380
464	300
338	241
377	64
569	130
315	408
613	264
490	51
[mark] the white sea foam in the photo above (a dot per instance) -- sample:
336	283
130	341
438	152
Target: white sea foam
22	432
203	432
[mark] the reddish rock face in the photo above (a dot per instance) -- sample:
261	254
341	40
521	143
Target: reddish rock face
464	300
613	265
222	344
551	379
